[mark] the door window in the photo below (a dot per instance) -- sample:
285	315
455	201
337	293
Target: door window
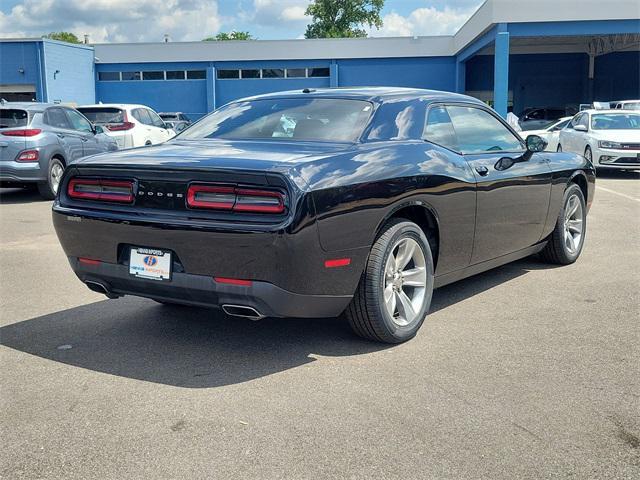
142	116
56	118
78	122
439	129
156	121
478	131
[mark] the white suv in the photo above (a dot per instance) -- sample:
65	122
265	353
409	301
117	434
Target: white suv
130	125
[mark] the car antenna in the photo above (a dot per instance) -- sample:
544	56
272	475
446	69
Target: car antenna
308	90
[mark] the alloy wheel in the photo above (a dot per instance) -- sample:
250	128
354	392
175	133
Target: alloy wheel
405	280
55	176
573	224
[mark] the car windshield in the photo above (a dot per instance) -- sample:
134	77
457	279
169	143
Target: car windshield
11	117
103	115
615	121
310	119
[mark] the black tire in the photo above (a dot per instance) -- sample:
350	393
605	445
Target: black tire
367	314
49	188
556	250
559	149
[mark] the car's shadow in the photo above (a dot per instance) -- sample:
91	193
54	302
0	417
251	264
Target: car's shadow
202	348
20	195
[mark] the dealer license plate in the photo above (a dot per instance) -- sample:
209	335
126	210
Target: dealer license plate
150	263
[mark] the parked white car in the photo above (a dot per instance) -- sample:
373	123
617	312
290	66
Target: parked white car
551	133
609	138
130	125
626	105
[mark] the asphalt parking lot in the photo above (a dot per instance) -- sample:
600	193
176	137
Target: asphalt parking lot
526	371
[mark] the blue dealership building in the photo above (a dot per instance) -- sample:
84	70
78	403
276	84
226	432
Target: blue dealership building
538	53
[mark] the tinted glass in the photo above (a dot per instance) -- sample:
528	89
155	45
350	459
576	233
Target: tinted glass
175	74
253	73
272	72
296	119
153	75
141	115
168	116
56	118
615	121
398	121
130	75
103	115
440	129
10	117
156	121
318	72
108	76
296	72
196	74
78	122
227	74
478	131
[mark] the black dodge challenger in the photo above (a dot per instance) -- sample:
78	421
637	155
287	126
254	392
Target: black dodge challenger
316	203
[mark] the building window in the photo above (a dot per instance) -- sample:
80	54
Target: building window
273	73
130	76
318	72
153	75
228	74
296	72
109	76
175	74
254	73
196	74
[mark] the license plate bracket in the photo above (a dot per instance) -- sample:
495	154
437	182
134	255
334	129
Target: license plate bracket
150	263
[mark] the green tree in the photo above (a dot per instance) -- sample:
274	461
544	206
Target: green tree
63	37
342	18
222	36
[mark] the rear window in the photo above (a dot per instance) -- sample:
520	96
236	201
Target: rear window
10	118
168	116
319	119
103	115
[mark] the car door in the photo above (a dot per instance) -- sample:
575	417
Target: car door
144	132
572	138
513	185
160	132
68	138
83	127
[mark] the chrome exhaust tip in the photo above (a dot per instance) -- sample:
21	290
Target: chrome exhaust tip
242	311
100	288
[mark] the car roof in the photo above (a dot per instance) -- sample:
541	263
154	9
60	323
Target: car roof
608	110
375	94
123	106
31	106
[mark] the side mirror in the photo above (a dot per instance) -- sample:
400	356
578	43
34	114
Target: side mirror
97	129
580	128
536	143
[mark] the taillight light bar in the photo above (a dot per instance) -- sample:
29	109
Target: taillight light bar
119	127
120	191
248	200
28	156
25	132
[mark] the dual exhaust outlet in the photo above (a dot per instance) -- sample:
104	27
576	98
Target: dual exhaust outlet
231	310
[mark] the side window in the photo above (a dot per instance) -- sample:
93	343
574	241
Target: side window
584	120
78	122
141	115
156	121
576	120
56	118
439	129
479	131
401	120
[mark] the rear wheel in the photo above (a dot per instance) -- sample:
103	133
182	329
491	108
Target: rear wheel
395	290
567	239
49	188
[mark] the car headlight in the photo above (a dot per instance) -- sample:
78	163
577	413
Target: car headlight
608	144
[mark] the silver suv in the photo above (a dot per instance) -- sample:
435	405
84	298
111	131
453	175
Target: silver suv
38	140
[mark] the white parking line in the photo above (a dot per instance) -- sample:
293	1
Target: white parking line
598	187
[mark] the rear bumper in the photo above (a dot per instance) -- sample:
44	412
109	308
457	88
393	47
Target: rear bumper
200	290
12	171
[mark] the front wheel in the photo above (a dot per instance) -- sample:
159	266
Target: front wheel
567	239
588	154
395	290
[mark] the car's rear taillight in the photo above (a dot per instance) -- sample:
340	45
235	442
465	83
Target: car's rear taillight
28	156
119	127
247	200
102	190
25	132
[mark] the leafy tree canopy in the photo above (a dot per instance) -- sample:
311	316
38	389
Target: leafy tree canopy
342	18
63	37
229	36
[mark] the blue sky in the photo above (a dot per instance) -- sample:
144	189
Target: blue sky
149	20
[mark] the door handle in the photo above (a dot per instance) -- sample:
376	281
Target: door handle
84	139
60	135
482	170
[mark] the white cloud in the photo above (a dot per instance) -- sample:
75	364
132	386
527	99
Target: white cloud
424	21
272	13
295	13
114	20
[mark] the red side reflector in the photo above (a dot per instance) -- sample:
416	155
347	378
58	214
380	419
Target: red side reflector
235	199
28	156
233	281
337	262
89	261
102	190
27	132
